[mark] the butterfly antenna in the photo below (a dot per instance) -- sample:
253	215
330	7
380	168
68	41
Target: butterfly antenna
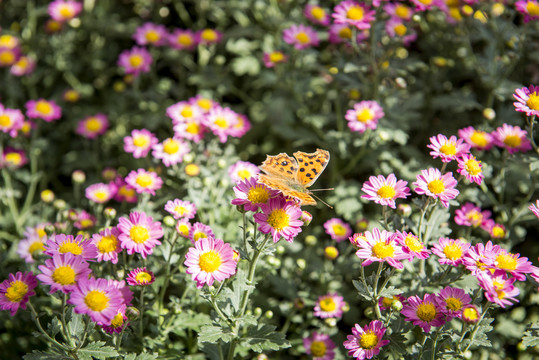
321	189
322	201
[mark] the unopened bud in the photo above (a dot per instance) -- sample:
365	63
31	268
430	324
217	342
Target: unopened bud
47	196
489	113
331	322
362	225
273	261
169	221
396	305
280	249
109	174
301	263
310	240
49	229
257	311
132	313
59	204
299	303
331	252
268	314
110	213
78	176
306	217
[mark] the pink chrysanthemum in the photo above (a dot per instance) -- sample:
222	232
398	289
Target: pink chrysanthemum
499	288
107	244
319	346
210	260
220	120
150	34
535	208
301	36
530	9
192	129
96	298
353	13
208	36
480	257
365	342
16	290
423	5
477	139
494	229
84	220
385	191
125	291
411	245
32	244
339	33
512	138
11	120
450	251
64	10
184	112
273	58
140	277
135	60
9	57
117	323
63	272
64	244
242	170
182	39
183	227
337	229
242	126
316	15
364	115
203	103
380	246
527	98
471	215
181	209
139	233
144	181
424	312
139	143
432	183
43	109
124	191
200	231
471	168
13	158
100	193
251	194
512	264
280	218
447	149
171	151
329	306
93	126
25	65
452	300
396	28
399	11
386	303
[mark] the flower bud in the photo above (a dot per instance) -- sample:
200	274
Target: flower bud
404	210
268	314
273	261
301	263
470	314
221	163
467	354
192	170
306	217
280	250
331	322
257	311
169	221
362	225
521	346
310	240
78	176
59	204
110	213
489	113
47	196
331	252
345	307
299	303
132	313
396	305
109	174
49	229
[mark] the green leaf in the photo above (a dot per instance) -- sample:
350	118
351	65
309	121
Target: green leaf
362	290
390	292
531	336
265	338
246	65
213	334
38	355
76	325
54	327
97	350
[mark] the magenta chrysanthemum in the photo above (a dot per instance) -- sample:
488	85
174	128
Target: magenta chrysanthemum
100	193
317	15
380	246
477	139
64	10
92	126
319	346
182	39
139	143
139	233
220	121
273	58
385	191
471	215
13	158
63	244
365	342
208	36
200	231
411	245
364	115
471	168
150	34
43	109
337	229
447	149
535	208
480	257
423	312
329	306
181	209
300	36
135	61
353	13
251	194
512	263
499	288
512	138
432	183
452	300
144	181
97	299
63	272
107	244
398	10
11	120
450	251
242	170
171	151
117	323
530	9
140	277
33	243
280	218
16	290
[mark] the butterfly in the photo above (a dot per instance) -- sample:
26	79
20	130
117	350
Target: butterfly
293	176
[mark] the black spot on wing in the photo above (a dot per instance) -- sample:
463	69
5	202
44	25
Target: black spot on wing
290	172
302	169
314	171
310	162
309	175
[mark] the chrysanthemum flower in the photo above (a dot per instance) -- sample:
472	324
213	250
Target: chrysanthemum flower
144	181
97	299
512	264
242	126
252	194
117	323
210	260
63	244
423	5
171	151
13	158
450	251
471	215
63	271
300	36
411	245
182	39
183	112
494	229
150	34
11	120
280	218
339	33
139	233
140	277
84	220
8	57
535	208
477	139
365	342
480	257
100	193
432	183
135	60
386	303
25	65
92	126
203	103
364	115
499	288
64	10
183	227
242	170
527	98
452	300
9	41
16	290
470	314
273	58
329	306
396	28
385	191
471	168
43	109
71	95
192	129
107	244
32	244
316	15
424	312
530	9
200	231
337	229
512	138
124	191
181	209
319	346
353	13
220	120
139	143
398	10
125	291
380	246
209	36
447	149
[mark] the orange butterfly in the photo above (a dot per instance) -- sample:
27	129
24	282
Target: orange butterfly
293	176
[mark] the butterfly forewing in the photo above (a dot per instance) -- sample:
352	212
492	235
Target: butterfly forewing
280	165
310	166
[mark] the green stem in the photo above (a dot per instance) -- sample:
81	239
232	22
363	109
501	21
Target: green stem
420	234
375	289
476	327
35	317
167	277
10	200
141	328
65	329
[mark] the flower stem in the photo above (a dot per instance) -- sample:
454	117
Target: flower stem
476	327
35	317
375	289
420	234
141	328
65	329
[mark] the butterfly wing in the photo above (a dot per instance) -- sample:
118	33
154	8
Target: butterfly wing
284	186
310	166
281	165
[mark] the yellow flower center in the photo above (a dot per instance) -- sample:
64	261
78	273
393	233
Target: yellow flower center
107	244
453	251
206	104
43	107
426	312
64	275
141	141
339	230
512	141
345	33
66	11
183	229
36	246
303	38
258	195
470	314
135	60
221	122
152	36
402	11
184	39
328	304
448	149
365	115
278	219
318	348
93	124
192	128
276	57
209	35
180	210
16	291
473	167
507	261
533	101
453	304
382	250
5	120
498	231
244	174
317	12
143	277
387	302
96	300
400	29
126	192
436	186
413	243
70	247
192	170
144	180
479	138
199	235
187	112
117	321
86	223
355	13
425	2
7	57
139	234
8	41
171	146
386	192
210	261
368	340
14	158
533	9
101	195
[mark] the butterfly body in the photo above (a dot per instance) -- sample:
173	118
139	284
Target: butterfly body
293	176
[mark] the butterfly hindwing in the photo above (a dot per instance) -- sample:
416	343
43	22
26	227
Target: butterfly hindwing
310	166
284	186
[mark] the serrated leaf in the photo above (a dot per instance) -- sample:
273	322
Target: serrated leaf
390	292
76	325
97	350
146	356
189	320
265	338
363	292
38	355
54	327
212	334
531	336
